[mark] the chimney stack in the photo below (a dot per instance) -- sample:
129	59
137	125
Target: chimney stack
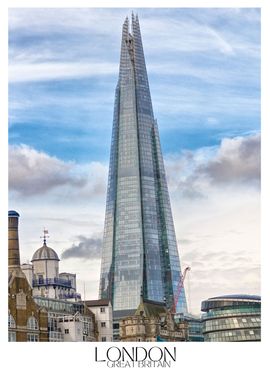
13	240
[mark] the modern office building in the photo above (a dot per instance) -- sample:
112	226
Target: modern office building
232	318
139	244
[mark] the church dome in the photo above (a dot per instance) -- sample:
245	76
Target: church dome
45	253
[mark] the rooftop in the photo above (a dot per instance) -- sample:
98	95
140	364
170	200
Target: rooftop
238	296
13	213
151	308
102	302
45	253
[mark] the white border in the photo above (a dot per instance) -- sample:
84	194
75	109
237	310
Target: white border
194	360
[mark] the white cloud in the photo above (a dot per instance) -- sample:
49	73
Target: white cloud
30	72
238	160
33	173
199	37
215	201
235	163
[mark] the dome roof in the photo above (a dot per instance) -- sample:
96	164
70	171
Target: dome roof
13	213
45	253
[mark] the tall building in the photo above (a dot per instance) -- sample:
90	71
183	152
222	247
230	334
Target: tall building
232	318
139	245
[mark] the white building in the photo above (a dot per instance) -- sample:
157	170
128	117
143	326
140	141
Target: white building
104	318
44	277
68	321
75	328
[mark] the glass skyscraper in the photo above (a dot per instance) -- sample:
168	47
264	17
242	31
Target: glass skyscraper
139	254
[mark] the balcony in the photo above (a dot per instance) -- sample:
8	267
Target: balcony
70	295
55	281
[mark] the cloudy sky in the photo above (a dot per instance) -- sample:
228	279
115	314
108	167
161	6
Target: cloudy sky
204	74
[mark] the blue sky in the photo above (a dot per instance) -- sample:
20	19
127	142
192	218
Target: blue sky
203	68
204	73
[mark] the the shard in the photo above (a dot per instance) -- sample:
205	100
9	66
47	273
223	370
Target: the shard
139	253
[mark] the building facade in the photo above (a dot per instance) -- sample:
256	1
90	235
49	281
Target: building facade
232	318
44	277
40	313
27	321
195	326
104	318
139	245
68	321
152	322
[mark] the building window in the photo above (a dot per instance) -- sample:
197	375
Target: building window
12	336
103	339
66	331
32	323
11	322
102	309
103	324
32	338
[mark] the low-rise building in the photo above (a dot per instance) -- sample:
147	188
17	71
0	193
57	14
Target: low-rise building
68	321
104	318
44	277
27	321
44	312
152	322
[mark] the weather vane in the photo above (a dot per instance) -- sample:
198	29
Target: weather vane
45	235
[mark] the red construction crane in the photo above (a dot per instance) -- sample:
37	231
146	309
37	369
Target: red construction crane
178	290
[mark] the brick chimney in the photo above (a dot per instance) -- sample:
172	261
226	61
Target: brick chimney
13	240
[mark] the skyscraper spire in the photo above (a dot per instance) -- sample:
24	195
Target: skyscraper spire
139	254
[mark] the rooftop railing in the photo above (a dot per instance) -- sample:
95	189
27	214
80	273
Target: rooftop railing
55	281
70	295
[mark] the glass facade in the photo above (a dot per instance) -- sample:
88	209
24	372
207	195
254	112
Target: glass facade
139	244
195	325
232	318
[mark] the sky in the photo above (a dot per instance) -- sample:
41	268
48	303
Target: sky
204	74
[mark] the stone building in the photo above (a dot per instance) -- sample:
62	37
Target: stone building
27	321
152	322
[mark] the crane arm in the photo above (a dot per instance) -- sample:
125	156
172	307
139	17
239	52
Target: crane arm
178	290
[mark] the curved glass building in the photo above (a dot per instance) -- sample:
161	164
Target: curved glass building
139	251
232	318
